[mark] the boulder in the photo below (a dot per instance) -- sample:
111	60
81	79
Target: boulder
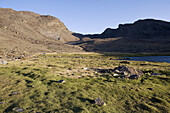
125	62
3	62
127	71
18	110
134	77
61	81
2	103
155	74
99	101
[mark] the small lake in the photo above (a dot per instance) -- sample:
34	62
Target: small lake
150	58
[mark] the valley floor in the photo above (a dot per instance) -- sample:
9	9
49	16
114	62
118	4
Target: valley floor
31	85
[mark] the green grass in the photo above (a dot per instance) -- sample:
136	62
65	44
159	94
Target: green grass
35	80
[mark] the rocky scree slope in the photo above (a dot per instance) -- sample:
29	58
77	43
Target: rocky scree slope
23	33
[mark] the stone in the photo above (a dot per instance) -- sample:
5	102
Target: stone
134	77
136	89
3	62
150	89
32	86
85	68
2	103
157	74
18	109
115	74
99	101
61	81
126	71
14	93
125	62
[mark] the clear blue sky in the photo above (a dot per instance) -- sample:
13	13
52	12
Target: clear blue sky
93	16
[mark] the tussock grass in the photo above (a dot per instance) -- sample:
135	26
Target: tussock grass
36	82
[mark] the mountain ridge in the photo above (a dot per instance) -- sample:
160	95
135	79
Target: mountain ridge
142	36
24	32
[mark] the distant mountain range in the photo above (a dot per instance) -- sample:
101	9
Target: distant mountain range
23	33
142	36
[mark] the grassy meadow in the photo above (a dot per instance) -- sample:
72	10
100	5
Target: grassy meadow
32	85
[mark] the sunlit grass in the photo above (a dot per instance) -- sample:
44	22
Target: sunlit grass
36	82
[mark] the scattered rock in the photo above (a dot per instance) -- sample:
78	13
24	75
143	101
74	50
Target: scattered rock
150	89
126	71
134	77
155	74
3	62
18	109
32	86
85	68
61	81
125	62
115	74
136	89
111	59
2	103
123	86
142	80
15	93
143	64
99	101
103	71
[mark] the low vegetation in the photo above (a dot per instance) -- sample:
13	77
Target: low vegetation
32	85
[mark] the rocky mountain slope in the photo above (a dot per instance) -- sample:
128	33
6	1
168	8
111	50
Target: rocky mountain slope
23	33
142	36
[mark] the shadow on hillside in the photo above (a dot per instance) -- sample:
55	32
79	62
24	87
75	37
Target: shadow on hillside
86	99
121	44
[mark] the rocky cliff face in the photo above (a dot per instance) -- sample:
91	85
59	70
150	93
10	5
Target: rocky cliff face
23	32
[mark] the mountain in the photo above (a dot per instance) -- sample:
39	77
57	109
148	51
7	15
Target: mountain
142	36
23	33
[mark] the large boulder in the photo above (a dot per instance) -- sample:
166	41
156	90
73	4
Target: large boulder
99	101
127	71
3	62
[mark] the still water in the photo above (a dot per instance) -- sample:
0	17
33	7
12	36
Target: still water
150	58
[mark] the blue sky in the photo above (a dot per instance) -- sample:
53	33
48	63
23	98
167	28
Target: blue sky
94	16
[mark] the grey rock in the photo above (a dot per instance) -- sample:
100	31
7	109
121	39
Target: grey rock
18	109
99	101
61	81
126	71
155	74
3	62
2	103
134	77
14	93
